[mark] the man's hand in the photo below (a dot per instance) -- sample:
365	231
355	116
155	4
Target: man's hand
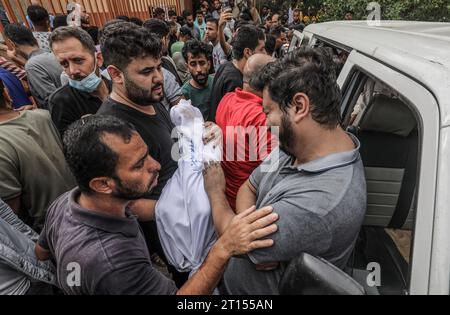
41	253
247	230
214	179
26	107
212	133
242	236
224	18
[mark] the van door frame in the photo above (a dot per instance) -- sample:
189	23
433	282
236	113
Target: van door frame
426	109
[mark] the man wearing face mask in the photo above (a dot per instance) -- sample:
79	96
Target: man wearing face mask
87	89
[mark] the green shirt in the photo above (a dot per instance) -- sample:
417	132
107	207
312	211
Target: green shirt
32	164
200	98
177	47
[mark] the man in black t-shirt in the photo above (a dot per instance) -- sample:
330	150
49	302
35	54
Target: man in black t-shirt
249	40
87	88
133	57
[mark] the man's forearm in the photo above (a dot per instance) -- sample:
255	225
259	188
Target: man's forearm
207	278
223	42
222	212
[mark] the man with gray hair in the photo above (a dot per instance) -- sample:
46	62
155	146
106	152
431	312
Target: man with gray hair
238	112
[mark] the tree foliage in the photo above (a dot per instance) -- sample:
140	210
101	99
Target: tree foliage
329	10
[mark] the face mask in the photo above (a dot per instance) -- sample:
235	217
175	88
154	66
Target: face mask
88	84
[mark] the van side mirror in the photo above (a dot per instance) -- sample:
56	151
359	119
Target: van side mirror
308	275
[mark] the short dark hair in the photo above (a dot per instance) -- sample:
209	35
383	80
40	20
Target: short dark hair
248	36
276	31
311	71
37	14
126	42
157	27
196	48
172	13
241	23
123	18
159	11
181	20
109	28
136	21
87	155
66	32
299	27
212	20
271	43
59	21
20	35
186	13
199	12
186	31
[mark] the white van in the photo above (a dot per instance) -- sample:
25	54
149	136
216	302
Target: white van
395	79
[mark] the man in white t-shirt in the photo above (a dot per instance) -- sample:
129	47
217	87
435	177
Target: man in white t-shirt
215	35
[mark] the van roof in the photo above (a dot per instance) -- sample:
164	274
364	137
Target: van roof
419	49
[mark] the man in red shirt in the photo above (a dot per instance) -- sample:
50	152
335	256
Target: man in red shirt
242	120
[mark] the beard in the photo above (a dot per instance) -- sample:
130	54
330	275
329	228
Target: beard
130	192
287	137
201	79
139	95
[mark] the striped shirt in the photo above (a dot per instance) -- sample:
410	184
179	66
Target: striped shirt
13	68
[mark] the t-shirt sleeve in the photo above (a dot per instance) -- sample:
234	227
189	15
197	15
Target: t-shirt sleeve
299	231
171	87
10	186
141	279
185	90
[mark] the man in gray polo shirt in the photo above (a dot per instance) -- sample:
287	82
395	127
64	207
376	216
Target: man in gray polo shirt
96	241
315	183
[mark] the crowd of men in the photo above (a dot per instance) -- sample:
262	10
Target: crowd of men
86	143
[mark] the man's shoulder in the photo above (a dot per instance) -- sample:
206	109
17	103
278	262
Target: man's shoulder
187	87
57	208
65	92
110	107
38	115
42	58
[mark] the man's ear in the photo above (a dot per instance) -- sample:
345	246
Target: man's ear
100	60
247	53
300	106
102	185
116	75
